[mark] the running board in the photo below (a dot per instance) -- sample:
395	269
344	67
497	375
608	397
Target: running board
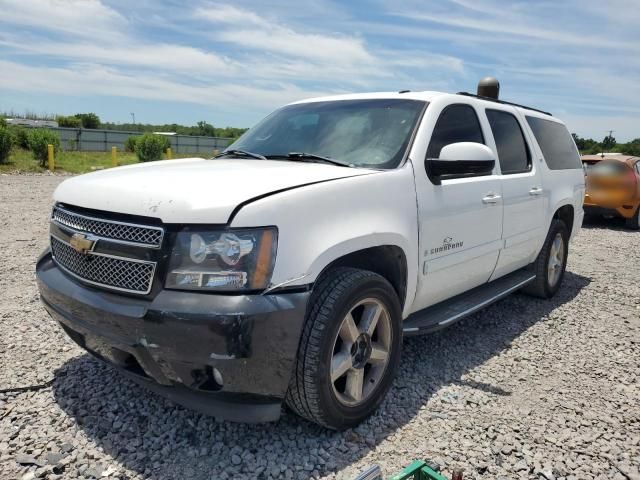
449	311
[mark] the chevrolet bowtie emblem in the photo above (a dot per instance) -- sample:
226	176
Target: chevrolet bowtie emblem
81	243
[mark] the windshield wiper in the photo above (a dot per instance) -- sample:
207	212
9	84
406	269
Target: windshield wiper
318	158
241	153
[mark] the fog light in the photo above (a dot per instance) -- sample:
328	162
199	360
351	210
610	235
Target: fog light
224	279
208	279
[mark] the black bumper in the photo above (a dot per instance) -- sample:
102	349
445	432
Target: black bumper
230	356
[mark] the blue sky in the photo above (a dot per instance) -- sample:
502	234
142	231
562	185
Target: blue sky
232	63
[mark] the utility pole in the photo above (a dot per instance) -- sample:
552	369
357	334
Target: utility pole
610	136
133	117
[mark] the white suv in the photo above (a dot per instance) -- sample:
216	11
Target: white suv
290	267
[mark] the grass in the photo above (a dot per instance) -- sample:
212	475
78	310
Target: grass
72	162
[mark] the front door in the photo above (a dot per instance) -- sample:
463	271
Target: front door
460	219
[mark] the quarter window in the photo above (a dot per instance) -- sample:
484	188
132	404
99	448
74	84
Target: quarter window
457	123
513	153
556	143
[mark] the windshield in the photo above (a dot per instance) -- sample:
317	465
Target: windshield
363	133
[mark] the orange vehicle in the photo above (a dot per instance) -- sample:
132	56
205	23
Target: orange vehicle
613	187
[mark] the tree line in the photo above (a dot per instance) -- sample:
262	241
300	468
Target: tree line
202	128
92	121
589	146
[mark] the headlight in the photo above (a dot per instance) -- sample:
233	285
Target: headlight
228	260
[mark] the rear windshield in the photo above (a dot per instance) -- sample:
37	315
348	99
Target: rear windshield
611	167
364	133
556	144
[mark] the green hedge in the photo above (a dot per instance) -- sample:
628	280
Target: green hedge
167	143
20	135
130	143
6	142
38	140
149	147
69	122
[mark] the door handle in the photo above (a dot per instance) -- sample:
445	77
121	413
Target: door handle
535	191
491	199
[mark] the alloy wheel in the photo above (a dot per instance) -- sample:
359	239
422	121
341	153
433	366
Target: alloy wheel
361	352
556	260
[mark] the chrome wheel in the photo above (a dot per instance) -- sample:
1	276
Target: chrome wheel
361	352
556	260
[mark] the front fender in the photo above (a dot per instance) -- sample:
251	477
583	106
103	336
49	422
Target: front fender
320	223
351	245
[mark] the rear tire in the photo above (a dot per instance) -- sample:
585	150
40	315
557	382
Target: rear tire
551	262
633	223
349	350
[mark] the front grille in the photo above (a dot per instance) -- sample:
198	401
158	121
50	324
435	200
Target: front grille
118	231
118	273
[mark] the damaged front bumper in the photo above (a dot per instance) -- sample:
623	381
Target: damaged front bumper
230	356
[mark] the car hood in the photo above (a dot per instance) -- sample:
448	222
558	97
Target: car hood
192	190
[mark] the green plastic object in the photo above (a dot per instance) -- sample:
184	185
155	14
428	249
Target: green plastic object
417	471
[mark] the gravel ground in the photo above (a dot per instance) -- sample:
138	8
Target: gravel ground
525	389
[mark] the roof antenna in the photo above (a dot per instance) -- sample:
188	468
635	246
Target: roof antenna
489	87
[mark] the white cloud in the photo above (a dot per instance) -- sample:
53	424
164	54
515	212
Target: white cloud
573	23
247	29
312	47
223	13
618	14
90	18
97	80
182	59
522	29
422	61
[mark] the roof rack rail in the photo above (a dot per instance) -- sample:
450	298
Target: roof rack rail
495	100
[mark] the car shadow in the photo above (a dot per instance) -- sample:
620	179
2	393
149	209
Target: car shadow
599	222
160	440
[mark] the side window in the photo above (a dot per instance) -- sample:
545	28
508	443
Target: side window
556	144
513	152
638	167
457	123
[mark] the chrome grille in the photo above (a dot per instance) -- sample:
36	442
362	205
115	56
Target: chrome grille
118	273
118	231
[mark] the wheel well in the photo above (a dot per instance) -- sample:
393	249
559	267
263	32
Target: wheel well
565	213
389	261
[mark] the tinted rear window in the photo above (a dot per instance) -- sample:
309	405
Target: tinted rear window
556	144
512	149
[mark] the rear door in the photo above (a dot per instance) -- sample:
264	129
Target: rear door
522	191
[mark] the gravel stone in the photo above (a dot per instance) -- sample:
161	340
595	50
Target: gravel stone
24	459
54	458
556	384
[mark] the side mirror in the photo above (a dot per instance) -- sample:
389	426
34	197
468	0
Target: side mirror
460	160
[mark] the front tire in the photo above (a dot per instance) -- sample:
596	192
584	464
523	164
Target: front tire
349	350
551	262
